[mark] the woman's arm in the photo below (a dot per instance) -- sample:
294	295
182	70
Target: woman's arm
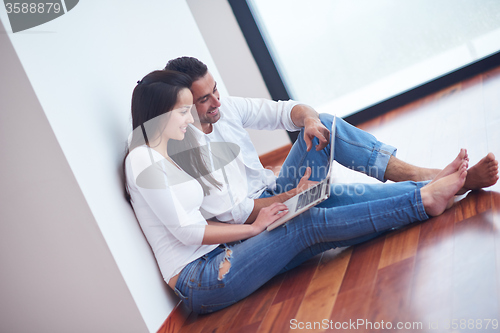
216	233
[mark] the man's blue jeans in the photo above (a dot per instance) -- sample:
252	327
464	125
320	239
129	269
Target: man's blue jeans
345	219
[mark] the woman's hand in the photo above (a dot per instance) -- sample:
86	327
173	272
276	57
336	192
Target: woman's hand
304	182
262	203
268	215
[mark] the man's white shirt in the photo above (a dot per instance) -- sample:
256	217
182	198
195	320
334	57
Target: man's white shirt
236	114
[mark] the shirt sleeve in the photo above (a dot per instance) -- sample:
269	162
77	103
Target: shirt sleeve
151	183
263	114
239	213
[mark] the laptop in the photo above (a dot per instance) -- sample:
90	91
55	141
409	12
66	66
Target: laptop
313	195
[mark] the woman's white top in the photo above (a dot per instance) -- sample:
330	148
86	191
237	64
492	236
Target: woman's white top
167	201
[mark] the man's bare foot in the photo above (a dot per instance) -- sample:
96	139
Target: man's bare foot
453	166
436	196
483	174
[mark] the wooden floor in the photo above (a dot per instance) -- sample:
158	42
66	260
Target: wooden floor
430	276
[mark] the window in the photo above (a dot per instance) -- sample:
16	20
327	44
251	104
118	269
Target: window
343	56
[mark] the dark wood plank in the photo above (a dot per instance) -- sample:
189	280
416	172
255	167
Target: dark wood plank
250	328
475	202
400	245
176	319
295	283
222	320
363	266
352	301
390	301
322	292
474	269
213	322
351	305
256	306
432	279
279	315
491	74
192	324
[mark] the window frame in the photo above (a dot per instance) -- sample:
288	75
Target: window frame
278	90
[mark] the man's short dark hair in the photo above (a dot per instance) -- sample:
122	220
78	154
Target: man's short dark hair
188	65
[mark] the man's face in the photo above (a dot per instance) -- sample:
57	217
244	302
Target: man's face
206	99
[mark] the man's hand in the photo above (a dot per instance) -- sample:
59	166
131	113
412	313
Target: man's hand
314	128
305	116
259	204
304	182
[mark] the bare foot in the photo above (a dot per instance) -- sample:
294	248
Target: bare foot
483	174
453	166
436	196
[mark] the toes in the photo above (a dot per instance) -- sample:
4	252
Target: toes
462	154
490	157
463	174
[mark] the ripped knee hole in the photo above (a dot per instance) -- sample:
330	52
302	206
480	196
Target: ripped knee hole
225	265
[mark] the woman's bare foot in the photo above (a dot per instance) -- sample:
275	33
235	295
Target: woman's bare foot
436	196
483	174
453	166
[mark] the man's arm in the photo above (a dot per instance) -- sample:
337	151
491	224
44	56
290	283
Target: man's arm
305	116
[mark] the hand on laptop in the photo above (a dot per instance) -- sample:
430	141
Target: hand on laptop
267	216
304	182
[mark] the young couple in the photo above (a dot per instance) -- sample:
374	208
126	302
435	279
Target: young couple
205	219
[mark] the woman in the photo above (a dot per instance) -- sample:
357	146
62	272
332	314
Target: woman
168	181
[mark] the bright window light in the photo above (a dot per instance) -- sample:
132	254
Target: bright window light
341	56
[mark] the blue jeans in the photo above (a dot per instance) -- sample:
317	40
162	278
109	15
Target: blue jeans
354	149
346	218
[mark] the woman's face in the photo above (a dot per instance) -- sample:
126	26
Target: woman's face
180	117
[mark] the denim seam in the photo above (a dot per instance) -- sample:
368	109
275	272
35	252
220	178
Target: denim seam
369	217
374	150
420	205
353	143
379	159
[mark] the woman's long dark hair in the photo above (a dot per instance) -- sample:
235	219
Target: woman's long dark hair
154	96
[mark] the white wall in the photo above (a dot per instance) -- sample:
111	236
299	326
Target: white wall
57	273
235	62
73	257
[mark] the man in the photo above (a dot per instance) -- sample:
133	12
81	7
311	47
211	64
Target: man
225	121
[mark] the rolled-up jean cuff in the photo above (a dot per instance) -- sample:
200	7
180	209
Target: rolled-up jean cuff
420	205
379	160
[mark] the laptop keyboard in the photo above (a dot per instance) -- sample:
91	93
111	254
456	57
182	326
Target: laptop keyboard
310	195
